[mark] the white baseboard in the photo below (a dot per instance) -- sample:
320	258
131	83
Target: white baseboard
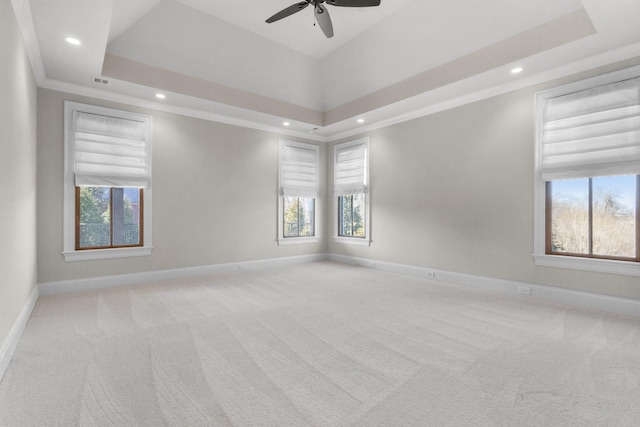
93	283
11	342
622	306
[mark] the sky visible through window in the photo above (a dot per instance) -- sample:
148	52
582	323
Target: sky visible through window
132	193
605	227
622	187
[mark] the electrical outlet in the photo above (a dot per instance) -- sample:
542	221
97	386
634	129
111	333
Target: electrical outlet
524	290
242	266
431	274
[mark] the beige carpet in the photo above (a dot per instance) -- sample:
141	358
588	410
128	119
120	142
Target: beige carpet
319	344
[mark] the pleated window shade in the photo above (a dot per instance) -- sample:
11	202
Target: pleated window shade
594	132
109	151
350	169
299	168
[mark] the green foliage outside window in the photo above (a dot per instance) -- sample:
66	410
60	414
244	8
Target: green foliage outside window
103	226
351	220
299	217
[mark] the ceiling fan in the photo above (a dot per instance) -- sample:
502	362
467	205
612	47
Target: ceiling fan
321	12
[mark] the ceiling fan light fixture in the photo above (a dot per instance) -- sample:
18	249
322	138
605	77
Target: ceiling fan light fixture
321	13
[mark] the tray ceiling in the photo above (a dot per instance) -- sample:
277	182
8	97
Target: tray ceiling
220	60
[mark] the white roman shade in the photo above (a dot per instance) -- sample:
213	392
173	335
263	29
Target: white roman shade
594	132
109	151
350	169
299	167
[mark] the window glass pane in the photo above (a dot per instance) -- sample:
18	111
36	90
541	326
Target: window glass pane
109	217
614	216
94	217
125	214
344	209
351	215
306	216
570	216
299	216
291	228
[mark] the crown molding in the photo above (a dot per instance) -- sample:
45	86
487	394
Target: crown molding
404	110
625	53
168	108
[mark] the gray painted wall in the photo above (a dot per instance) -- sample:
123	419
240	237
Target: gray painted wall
454	191
17	173
450	191
215	190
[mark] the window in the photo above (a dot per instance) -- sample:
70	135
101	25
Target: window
351	182
107	193
587	193
593	217
351	221
109	217
299	189
299	216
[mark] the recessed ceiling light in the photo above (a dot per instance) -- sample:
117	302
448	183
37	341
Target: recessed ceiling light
360	121
286	123
517	70
160	95
74	41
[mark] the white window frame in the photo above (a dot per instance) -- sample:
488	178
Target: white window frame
69	251
298	239
348	240
540	257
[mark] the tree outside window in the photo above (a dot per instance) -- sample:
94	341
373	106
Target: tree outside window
108	217
593	217
350	215
299	214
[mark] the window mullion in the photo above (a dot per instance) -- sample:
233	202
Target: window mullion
638	217
590	231
548	216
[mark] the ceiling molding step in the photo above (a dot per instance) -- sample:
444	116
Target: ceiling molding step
612	58
136	72
104	95
624	57
560	31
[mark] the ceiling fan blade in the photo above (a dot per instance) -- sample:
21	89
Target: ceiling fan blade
288	11
353	3
324	20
